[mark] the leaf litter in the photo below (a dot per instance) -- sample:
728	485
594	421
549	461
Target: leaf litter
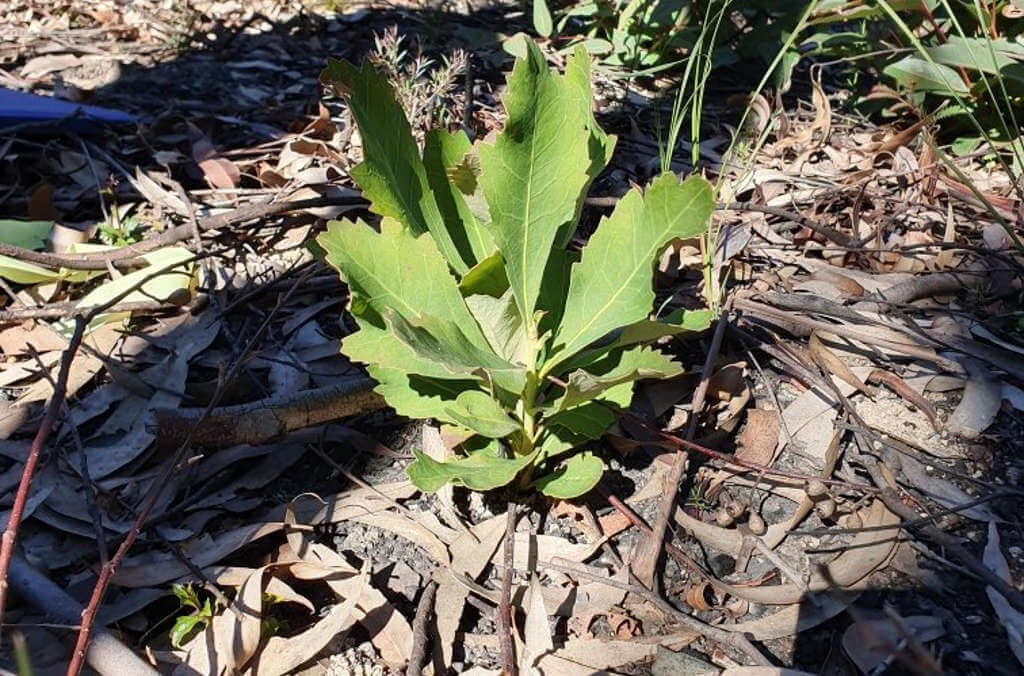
325	572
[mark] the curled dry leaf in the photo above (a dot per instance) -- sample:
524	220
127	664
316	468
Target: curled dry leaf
1011	618
978	407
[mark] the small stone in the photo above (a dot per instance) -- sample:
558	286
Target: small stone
1015	551
722	565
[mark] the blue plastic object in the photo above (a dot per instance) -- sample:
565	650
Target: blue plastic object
18	108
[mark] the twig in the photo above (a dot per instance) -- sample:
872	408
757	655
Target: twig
65	309
508	653
646	561
130	256
107	655
153	495
736	640
419	630
42	434
260	421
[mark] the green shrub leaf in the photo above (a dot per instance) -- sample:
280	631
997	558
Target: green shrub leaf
477	411
392	174
444	342
633	364
534	174
916	73
611	286
450	179
480	470
577	476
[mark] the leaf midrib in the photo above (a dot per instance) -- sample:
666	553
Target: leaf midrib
648	257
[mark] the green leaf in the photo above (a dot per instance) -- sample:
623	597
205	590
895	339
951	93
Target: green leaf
576	477
611	286
171	270
584	423
534	174
417	397
486	278
500	321
449	178
477	411
372	345
916	73
392	174
21	272
542	18
443	341
26	234
395	270
480	471
184	627
633	364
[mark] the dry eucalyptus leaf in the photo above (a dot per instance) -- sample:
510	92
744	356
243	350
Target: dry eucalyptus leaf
1011	618
536	630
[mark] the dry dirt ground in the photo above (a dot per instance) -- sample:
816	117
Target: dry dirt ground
872	339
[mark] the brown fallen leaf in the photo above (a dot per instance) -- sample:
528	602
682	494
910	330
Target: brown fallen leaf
827	360
537	635
218	171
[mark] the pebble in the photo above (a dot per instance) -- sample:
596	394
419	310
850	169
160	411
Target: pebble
1015	551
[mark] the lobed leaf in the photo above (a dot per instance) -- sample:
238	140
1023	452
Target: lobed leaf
633	364
397	271
611	286
392	175
534	174
481	470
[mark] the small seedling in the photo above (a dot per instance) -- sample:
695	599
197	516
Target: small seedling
187	626
471	309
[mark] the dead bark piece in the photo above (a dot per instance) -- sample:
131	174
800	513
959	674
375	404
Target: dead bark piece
260	421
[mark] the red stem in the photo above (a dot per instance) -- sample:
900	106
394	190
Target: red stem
10	536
